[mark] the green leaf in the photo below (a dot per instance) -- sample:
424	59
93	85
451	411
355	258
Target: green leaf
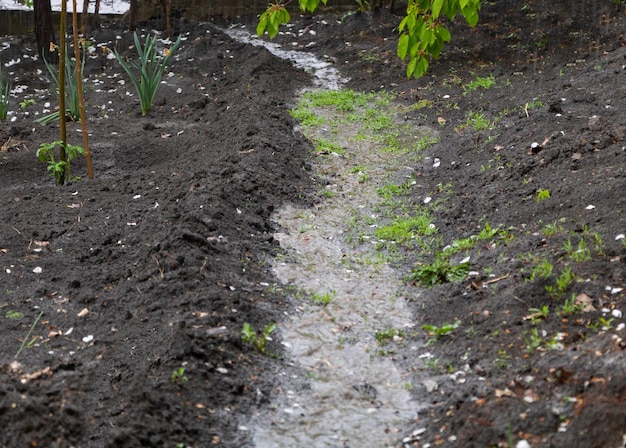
410	68
260	28
436	8
403	46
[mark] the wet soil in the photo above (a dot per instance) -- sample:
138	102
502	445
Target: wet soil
157	263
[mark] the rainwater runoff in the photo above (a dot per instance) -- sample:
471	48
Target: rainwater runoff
356	397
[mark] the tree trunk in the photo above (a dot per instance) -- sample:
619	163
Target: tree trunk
133	14
44	31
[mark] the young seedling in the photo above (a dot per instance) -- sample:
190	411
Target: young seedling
59	169
543	269
258	341
537	314
178	376
438	332
26	342
542	195
323	299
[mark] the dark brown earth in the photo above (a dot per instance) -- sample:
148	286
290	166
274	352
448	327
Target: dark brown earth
157	262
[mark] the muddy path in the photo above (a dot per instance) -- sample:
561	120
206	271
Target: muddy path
110	287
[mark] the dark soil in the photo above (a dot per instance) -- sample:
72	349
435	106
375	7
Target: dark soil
157	263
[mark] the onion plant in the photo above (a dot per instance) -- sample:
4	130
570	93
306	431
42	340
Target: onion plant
146	73
5	96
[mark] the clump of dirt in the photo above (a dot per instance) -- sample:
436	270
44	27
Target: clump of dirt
112	285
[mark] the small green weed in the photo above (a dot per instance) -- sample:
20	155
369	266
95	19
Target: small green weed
258	341
542	195
563	282
537	314
543	269
13	314
552	229
533	341
438	332
178	376
323	299
384	336
580	253
478	122
479	83
27	103
570	306
323	146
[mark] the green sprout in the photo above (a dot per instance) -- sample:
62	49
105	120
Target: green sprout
5	96
178	376
542	195
438	332
258	341
60	169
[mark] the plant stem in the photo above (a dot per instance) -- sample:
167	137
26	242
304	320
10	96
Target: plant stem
62	120
79	81
32	327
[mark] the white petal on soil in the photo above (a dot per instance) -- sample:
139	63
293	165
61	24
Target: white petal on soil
616	290
38	270
88	339
619	237
83	312
522	444
137	196
620	327
590	207
69	331
616	313
436	162
427	199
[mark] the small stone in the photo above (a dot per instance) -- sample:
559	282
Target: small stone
38	270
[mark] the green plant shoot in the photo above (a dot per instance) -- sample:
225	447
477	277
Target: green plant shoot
146	73
60	169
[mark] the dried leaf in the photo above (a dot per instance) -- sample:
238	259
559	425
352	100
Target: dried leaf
586	301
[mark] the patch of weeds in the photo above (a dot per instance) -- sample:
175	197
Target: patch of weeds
426	142
563	282
478	122
342	100
11	314
376	120
384	336
324	146
542	195
305	115
323	299
479	83
440	271
438	332
543	269
603	324
403	230
178	376
27	103
533	341
389	191
571	306
580	253
501	362
552	229
256	340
